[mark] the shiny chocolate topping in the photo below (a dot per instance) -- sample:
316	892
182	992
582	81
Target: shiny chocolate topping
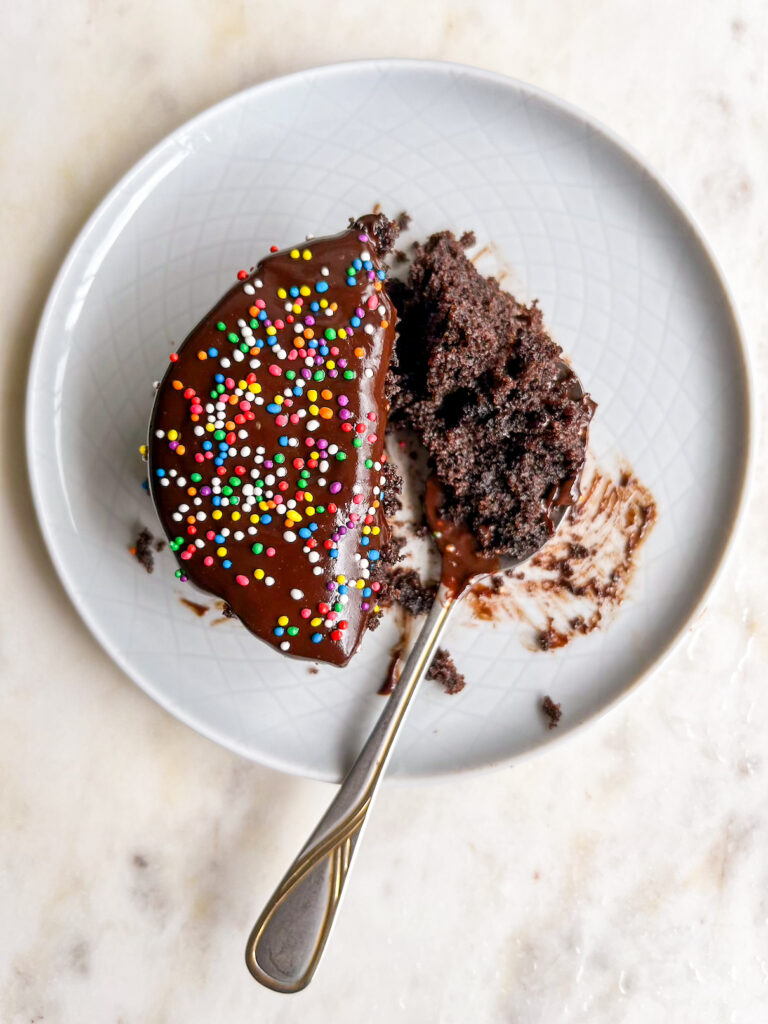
266	444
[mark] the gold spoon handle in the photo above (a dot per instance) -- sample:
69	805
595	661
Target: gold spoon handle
287	941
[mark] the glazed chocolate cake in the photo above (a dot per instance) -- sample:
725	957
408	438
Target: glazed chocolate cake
485	389
266	446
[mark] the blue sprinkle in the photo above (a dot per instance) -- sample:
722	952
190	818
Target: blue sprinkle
259	343
313	527
351	281
324	350
357	264
219	378
304	532
313	343
298	391
145	485
334	552
279	631
294	291
381	274
207	445
227	563
216	500
315	307
355	321
218	461
271	341
283	440
213	352
316	638
365	541
273	408
368	265
266	518
321	286
263	315
219	538
223	446
373	556
367	591
160	472
343	589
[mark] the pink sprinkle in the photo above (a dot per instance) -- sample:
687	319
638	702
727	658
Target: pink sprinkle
335	487
305	613
270	552
208	560
373	302
260	303
186	555
293	354
281	420
279	325
210	535
334	350
294	417
371	415
363	237
372	438
242	580
275	370
343	400
357	499
199	457
354	517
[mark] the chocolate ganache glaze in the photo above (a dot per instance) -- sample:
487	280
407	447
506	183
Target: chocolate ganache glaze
266	446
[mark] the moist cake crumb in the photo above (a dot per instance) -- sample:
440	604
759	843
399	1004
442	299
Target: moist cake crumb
552	711
444	671
406	588
144	548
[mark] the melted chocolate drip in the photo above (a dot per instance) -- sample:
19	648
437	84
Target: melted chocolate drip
272	500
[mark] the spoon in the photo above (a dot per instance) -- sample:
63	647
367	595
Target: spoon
287	941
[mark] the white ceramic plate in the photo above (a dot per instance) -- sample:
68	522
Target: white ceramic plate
627	286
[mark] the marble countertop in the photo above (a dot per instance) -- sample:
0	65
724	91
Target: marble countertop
621	876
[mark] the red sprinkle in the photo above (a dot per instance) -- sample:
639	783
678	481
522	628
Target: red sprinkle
241	276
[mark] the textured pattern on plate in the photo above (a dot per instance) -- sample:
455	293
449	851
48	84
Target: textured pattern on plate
626	288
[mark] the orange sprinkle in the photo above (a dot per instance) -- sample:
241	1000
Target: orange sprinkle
334	306
298	342
202	355
253	311
178	385
192	491
132	550
359	352
229	425
326	413
376	504
377	286
326	394
194	417
309	333
190	519
385	323
180	449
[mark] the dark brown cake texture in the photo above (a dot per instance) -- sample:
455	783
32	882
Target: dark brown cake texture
266	448
485	389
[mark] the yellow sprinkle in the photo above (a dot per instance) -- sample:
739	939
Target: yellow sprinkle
312	395
217	513
172	435
254	388
295	254
323	303
304	291
255	519
271	330
308	497
242	383
360	584
142	449
310	511
293	515
283	620
295	309
210	427
235	516
341	580
278	399
282	293
258	574
307	254
314	409
375	531
342	333
315	622
376	608
331	364
263	506
314	455
366	529
221	552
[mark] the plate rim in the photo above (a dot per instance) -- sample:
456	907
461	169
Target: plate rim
123	184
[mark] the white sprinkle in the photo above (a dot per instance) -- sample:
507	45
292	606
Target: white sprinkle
200	517
198	501
224	531
238	356
313	557
285	646
210	407
177	517
281	509
318	570
238	535
249	289
199	543
269	479
252	531
247	332
259	400
241	322
365	255
183	508
357	488
290	536
281	471
224	363
369	328
269	581
173	472
159	433
257	282
323	466
376	490
313	424
332	449
321	481
164	481
309	361
324	271
377	465
291	503
368	372
293	442
225	502
245	451
199	431
297	594
328	312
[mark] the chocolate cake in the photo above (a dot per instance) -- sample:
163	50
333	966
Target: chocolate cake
266	446
485	389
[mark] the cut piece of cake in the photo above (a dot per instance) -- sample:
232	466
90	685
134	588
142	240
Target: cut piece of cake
266	444
483	385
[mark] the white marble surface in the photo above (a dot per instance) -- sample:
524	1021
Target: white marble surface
622	876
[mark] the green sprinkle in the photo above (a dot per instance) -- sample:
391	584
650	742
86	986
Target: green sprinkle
279	458
319	375
254	323
304	474
349	374
219	435
220	389
358	442
257	548
290	375
341	456
234	338
369	463
221	326
235	481
234	500
293	630
338	607
227	490
320	508
245	347
196	478
177	574
330	334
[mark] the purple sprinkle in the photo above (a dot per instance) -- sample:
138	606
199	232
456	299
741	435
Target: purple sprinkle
335	536
309	321
371	275
365	606
306	374
360	311
268	464
342	363
343	400
173	445
322	443
330	586
350	525
267	323
335	487
333	373
342	531
363	238
345	414
319	360
205	491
